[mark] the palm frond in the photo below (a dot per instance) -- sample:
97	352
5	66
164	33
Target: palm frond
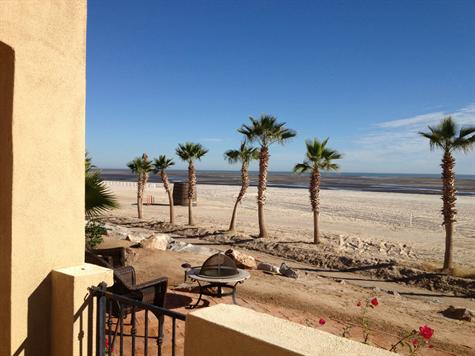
300	168
266	131
98	197
190	151
162	163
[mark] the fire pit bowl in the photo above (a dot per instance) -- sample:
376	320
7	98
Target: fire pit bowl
217	272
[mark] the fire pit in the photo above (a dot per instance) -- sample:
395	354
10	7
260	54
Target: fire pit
218	272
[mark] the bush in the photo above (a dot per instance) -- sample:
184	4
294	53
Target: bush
94	231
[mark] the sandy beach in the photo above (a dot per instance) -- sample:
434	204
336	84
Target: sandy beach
413	220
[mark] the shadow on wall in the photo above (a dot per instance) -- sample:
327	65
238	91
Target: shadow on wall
7	66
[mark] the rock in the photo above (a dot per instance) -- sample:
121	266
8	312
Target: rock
262	266
130	256
241	259
287	271
137	237
157	242
395	293
457	313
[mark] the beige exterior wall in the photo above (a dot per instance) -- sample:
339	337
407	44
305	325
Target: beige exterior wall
73	310
238	331
42	162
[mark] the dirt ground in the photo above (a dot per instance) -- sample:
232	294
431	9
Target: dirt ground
318	294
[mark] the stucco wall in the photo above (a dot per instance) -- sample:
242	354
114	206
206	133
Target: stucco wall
238	331
42	170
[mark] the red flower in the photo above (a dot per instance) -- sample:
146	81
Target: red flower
374	302
358	304
415	342
322	321
430	346
107	345
426	332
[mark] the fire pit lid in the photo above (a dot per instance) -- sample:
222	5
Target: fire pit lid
218	266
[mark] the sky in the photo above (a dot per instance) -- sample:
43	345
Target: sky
367	74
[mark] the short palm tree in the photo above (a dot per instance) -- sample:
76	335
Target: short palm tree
142	167
449	138
245	154
161	164
190	152
265	131
318	158
98	196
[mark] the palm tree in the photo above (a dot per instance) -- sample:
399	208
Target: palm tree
98	196
245	154
190	152
265	131
318	157
449	138
161	164
141	166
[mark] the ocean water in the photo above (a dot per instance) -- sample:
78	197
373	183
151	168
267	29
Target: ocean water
373	182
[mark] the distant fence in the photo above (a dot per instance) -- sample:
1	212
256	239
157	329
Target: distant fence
117	183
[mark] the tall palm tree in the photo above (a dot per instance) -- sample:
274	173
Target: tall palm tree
142	167
190	152
449	138
161	164
318	158
98	196
265	131
245	154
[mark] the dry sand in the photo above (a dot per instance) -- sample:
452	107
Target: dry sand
411	219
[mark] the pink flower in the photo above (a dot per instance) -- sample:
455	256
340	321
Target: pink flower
426	332
374	302
322	322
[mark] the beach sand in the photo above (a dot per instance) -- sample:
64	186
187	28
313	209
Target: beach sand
410	219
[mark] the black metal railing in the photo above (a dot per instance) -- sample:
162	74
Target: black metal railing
116	309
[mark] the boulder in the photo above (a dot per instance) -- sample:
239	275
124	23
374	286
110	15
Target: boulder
137	237
262	266
457	313
287	271
157	242
241	259
131	256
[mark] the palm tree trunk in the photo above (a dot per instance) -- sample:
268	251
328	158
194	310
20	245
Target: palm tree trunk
261	191
315	202
166	185
139	197
448	209
242	192
191	192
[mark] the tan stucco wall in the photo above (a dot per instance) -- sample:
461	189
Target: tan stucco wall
42	171
74	308
239	331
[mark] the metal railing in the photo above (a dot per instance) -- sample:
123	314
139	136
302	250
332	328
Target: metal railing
113	307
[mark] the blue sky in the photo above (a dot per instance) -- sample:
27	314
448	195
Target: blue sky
368	74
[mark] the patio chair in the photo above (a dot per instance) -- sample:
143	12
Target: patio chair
151	292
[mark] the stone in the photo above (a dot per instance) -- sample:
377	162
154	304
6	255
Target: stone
394	293
287	271
131	256
137	237
156	242
457	313
241	259
262	266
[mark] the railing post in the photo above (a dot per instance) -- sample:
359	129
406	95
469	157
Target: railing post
101	320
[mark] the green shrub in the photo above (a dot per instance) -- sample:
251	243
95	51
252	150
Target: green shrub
94	231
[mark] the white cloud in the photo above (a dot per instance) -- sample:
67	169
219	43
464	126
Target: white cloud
396	146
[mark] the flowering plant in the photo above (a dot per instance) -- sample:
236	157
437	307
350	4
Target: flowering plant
415	340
